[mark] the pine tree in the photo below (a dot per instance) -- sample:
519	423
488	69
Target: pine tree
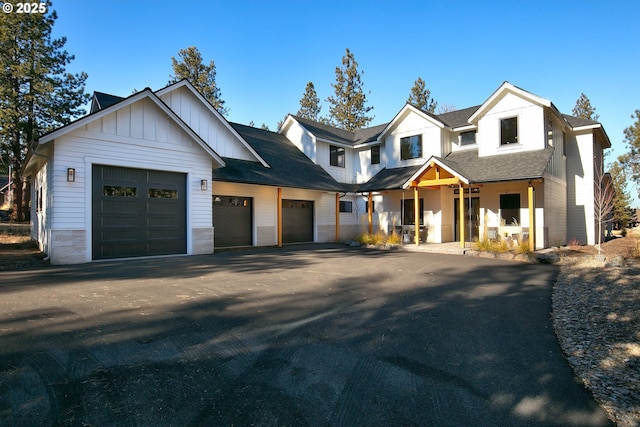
622	199
584	109
203	77
631	159
348	110
36	92
309	103
420	97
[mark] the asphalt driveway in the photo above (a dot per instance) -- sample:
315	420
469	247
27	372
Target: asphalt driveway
318	335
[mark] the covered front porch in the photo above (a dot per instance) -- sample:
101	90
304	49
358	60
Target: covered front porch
450	209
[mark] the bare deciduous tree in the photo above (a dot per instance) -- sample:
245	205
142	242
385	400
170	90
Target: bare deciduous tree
604	200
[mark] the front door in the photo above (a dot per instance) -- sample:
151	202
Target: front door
471	218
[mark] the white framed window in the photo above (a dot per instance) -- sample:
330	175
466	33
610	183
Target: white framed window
336	156
509	131
411	147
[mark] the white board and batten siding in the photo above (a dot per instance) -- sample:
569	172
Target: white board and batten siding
530	126
203	122
136	136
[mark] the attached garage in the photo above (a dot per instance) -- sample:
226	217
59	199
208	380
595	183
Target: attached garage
297	221
232	221
137	212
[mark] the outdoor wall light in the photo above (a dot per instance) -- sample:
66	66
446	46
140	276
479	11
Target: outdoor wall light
71	175
203	184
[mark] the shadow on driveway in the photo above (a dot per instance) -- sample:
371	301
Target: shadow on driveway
320	335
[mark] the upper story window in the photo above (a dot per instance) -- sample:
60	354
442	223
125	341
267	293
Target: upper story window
411	147
375	155
468	138
509	131
550	132
336	156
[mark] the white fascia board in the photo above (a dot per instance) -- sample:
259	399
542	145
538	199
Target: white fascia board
147	93
368	144
290	120
465	128
331	142
400	116
507	87
216	113
426	165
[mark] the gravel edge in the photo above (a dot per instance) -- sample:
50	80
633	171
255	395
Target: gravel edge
596	317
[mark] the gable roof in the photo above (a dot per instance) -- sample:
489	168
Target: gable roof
289	167
103	100
504	89
329	133
458	118
184	83
470	168
145	94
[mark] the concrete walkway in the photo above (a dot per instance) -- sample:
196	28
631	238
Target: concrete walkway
323	335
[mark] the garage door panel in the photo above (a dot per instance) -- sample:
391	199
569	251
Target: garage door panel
134	216
233	221
297	221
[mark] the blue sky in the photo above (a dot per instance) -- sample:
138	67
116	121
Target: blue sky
266	51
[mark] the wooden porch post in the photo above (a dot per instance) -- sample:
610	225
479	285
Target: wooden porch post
279	214
461	213
370	212
416	214
337	217
532	218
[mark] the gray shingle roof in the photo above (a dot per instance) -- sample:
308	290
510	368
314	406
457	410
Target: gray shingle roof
502	167
289	167
327	132
578	121
103	100
458	118
389	179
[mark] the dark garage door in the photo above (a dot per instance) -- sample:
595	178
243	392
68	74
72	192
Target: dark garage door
138	212
297	221
232	221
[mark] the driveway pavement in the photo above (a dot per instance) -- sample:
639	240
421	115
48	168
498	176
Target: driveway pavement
320	335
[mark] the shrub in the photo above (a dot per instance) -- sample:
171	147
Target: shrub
523	247
366	239
394	239
574	243
483	245
500	246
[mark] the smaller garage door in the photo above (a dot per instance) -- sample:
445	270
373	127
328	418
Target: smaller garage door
297	221
232	221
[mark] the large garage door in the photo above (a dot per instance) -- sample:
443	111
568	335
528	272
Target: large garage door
232	221
297	221
138	212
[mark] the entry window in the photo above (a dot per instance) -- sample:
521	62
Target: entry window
346	206
336	156
510	208
375	155
411	147
408	214
509	131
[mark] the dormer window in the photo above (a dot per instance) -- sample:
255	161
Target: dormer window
375	155
411	147
336	156
468	138
509	131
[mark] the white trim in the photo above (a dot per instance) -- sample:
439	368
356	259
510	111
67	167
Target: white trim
185	83
147	93
401	116
427	164
505	88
